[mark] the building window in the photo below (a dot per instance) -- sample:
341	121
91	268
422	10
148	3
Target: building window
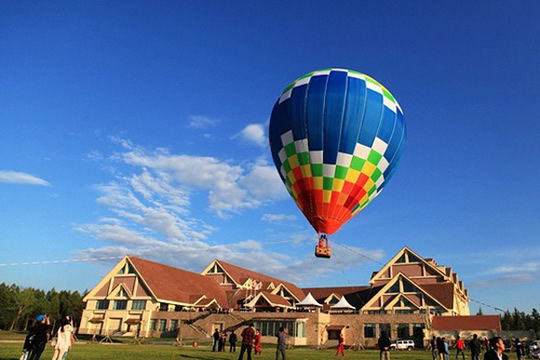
271	327
102	305
404	311
394	288
153	324
131	270
376	312
403	331
333	334
138	305
408	287
385	328
178	308
163	307
402	259
174	325
369	330
413	258
120	304
163	325
300	329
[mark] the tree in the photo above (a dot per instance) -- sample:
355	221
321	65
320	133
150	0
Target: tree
479	312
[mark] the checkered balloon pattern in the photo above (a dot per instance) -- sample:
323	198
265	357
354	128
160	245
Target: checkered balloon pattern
336	138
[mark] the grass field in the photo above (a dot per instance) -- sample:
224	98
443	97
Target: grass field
12	351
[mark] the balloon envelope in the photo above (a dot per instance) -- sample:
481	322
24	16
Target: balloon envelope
336	137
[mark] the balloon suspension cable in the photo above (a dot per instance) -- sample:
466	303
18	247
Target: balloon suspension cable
323	240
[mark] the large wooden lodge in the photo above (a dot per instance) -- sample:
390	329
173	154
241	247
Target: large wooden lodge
142	298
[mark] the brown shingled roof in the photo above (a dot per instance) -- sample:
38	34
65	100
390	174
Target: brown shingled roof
173	284
275	299
240	275
442	292
474	322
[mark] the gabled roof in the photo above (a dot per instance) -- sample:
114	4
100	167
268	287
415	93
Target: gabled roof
474	322
272	299
382	290
397	256
239	275
442	292
309	300
168	283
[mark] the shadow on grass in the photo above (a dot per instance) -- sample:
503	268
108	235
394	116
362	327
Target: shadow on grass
185	356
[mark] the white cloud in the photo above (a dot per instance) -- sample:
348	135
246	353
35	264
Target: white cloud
264	183
147	212
201	122
277	217
230	187
526	267
15	177
503	281
253	133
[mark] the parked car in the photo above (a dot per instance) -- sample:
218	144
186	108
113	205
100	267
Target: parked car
534	345
402	345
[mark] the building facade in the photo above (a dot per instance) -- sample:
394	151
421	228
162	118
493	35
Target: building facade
142	298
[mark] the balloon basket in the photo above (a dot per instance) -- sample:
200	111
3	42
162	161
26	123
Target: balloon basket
322	250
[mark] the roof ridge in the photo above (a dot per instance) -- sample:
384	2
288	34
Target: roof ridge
163	265
255	272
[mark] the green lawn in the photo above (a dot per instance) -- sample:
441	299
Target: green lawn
9	351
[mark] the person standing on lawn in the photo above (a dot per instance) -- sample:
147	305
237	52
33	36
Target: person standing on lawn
248	335
433	345
42	334
475	347
281	343
258	340
216	340
341	345
460	347
63	340
384	346
232	340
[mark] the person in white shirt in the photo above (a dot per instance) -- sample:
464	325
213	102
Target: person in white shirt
63	340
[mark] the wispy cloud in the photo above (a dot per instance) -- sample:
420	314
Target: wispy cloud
230	187
503	280
148	212
253	133
201	122
274	218
520	268
15	177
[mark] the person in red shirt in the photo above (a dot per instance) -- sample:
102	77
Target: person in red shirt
460	347
248	335
258	340
341	345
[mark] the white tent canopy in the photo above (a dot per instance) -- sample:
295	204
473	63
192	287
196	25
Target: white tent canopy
342	304
309	300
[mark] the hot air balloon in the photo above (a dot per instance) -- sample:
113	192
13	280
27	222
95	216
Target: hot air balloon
336	138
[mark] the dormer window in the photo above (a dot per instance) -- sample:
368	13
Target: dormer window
121	293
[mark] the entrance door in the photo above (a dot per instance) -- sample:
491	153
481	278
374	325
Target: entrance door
418	335
218	326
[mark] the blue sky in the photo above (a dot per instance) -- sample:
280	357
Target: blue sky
141	128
